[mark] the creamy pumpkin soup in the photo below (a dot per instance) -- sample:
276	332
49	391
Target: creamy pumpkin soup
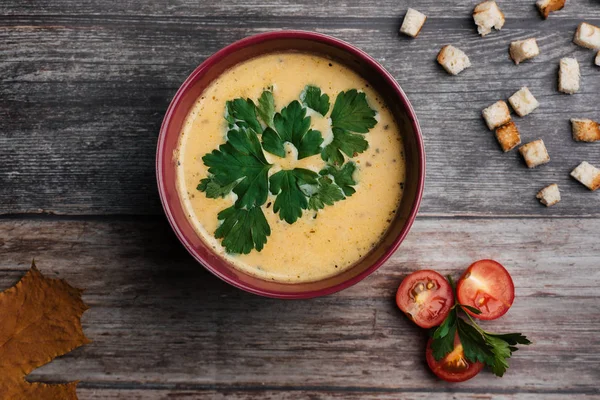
291	167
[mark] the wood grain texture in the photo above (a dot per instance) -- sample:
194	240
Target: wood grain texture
160	322
93	394
85	86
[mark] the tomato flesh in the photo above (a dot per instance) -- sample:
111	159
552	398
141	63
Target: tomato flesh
454	367
425	297
487	286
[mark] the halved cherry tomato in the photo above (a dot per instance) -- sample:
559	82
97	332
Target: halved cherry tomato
454	367
426	297
487	286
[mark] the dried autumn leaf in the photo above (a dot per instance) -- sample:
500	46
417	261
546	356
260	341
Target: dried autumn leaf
40	320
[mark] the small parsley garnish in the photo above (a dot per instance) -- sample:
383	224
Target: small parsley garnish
312	98
343	177
266	108
351	112
242	112
491	349
293	126
243	229
350	118
350	144
240	160
326	194
213	189
291	200
239	165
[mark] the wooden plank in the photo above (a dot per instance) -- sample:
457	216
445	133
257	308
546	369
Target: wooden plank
516	9
158	320
84	96
109	394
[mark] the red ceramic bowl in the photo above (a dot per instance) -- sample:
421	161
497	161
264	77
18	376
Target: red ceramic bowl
331	48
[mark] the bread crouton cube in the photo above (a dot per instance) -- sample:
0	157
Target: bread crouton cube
598	59
550	195
587	174
521	50
534	153
413	22
585	130
508	136
548	6
453	60
487	15
587	35
568	75
523	102
496	115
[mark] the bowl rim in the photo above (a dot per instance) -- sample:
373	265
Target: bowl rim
303	35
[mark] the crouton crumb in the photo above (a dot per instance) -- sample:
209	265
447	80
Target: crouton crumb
585	130
568	75
534	153
588	36
523	102
548	6
496	115
508	136
550	195
521	50
588	175
453	60
487	15
413	23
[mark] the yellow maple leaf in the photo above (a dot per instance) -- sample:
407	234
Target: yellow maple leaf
40	319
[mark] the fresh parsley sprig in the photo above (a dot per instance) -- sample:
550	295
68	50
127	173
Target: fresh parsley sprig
492	349
239	165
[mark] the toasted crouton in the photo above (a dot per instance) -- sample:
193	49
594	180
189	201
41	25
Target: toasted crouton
453	59
487	15
413	22
496	115
508	136
548	6
534	153
585	130
587	35
521	50
523	102
598	59
587	174
550	195
568	75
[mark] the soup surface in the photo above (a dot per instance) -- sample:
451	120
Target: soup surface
320	243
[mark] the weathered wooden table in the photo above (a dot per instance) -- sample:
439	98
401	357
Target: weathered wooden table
85	85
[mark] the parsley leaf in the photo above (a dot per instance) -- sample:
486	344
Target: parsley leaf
326	193
474	345
312	98
443	336
266	108
242	110
343	177
292	125
291	200
351	112
240	158
492	349
243	229
350	144
272	143
474	310
214	189
503	346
